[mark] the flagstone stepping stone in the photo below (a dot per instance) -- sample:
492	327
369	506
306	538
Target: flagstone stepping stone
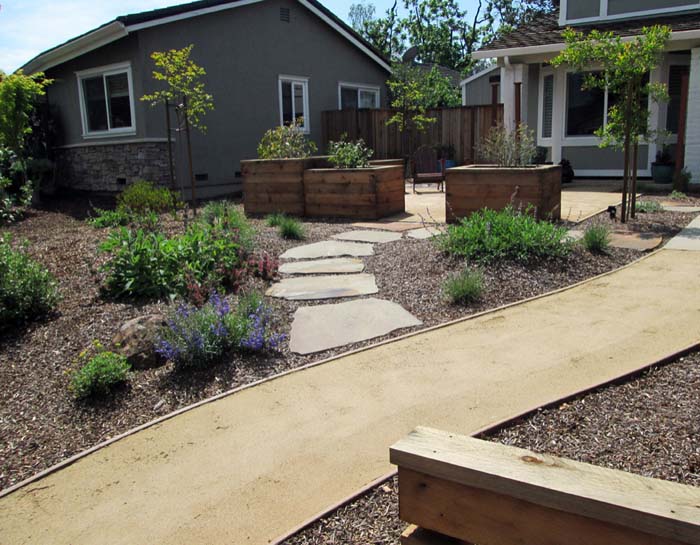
688	239
339	265
308	288
395	226
328	248
379	237
425	233
635	241
681	209
318	328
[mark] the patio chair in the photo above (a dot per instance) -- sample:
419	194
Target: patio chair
425	167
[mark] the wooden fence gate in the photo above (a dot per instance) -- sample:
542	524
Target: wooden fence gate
462	128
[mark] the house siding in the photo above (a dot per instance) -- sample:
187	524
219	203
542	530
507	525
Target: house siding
478	91
244	50
620	7
593	158
692	146
581	9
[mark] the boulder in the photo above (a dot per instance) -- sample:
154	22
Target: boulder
136	340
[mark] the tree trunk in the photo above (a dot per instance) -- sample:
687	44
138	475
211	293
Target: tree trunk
633	189
170	144
628	138
189	157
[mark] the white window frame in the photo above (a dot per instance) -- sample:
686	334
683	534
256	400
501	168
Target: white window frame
358	87
604	16
295	80
104	71
548	141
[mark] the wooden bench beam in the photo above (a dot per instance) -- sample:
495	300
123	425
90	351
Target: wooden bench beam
491	494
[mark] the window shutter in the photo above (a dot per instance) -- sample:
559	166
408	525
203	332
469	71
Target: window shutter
547	106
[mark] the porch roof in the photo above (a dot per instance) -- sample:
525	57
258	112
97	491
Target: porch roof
546	31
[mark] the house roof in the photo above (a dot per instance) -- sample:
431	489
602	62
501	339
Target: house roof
545	30
125	24
449	73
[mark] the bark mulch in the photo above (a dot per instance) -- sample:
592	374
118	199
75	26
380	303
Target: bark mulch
649	426
40	422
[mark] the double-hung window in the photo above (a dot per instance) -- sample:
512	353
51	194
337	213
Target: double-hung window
294	101
353	95
107	101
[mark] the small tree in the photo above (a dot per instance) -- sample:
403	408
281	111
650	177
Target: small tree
622	67
185	91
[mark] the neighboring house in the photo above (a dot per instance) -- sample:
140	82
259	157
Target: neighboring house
482	88
267	61
563	115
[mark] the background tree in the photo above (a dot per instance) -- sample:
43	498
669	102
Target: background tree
622	67
185	90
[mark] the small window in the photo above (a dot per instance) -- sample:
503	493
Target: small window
106	101
353	96
585	107
547	105
294	101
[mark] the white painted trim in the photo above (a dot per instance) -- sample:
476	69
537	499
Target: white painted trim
190	14
304	82
479	75
104	71
604	17
541	139
117	143
346	34
79	46
563	8
556	48
359	87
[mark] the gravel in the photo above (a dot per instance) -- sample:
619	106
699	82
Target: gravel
649	426
40	422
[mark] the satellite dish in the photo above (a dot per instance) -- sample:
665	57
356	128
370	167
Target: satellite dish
410	54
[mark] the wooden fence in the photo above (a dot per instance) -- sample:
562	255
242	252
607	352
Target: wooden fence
463	128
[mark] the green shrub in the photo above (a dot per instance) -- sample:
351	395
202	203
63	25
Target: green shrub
27	290
649	207
596	239
199	337
275	220
346	154
285	142
507	148
464	287
291	229
148	264
225	215
489	235
678	195
99	375
110	218
142	196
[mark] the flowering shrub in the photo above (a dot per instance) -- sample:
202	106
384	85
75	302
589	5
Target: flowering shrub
264	266
201	337
286	142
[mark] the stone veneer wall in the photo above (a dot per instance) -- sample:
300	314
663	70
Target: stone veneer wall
97	167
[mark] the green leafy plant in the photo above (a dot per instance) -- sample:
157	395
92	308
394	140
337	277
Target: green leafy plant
489	235
347	154
286	142
465	287
678	196
148	264
200	337
142	197
109	218
649	207
681	181
13	204
27	290
410	99
225	215
99	375
596	239
291	229
274	220
507	148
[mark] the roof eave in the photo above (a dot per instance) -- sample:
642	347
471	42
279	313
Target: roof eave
83	44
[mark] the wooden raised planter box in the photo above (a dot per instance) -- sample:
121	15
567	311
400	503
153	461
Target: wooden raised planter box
361	193
276	185
472	188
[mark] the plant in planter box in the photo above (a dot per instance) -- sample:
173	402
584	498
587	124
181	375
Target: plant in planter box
663	168
285	142
507	148
348	154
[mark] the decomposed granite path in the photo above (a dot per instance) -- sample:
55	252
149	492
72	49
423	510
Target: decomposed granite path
250	466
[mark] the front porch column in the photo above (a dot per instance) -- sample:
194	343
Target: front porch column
692	142
513	80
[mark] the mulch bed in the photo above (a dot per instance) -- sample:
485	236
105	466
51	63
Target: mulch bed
649	426
40	422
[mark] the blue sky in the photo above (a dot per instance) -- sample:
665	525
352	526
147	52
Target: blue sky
28	27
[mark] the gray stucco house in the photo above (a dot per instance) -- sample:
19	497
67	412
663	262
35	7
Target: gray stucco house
267	62
563	115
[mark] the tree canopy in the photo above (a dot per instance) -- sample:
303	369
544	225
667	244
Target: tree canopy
443	32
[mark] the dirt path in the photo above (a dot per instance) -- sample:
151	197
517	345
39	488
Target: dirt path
249	467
